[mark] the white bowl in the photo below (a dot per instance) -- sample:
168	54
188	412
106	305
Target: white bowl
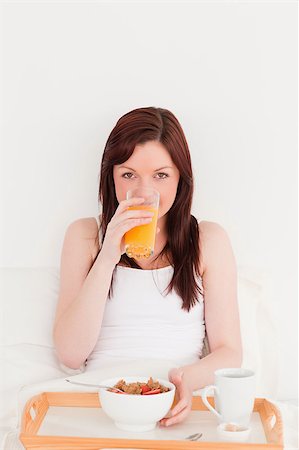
136	412
241	435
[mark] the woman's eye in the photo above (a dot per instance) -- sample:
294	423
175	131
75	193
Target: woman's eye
162	175
128	175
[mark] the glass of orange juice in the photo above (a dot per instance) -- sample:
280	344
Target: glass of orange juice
140	240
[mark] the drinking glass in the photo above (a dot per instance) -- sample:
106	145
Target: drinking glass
140	240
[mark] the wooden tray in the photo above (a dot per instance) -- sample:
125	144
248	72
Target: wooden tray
38	407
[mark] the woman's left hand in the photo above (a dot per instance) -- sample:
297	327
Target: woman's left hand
184	399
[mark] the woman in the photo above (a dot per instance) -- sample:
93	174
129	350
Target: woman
111	306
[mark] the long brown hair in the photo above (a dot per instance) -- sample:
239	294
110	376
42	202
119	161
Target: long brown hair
157	124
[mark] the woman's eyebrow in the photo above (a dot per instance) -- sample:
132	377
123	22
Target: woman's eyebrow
161	168
156	170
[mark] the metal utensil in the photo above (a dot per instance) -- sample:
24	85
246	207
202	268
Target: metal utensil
194	437
94	385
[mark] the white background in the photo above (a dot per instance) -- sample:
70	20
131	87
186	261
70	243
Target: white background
227	70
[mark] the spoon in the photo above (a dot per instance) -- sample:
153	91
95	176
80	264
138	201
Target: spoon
194	437
95	385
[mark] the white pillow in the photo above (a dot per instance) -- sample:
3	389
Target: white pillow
28	302
258	329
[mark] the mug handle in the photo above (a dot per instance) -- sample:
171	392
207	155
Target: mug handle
205	400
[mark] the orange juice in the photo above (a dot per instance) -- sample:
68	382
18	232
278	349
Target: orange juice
140	240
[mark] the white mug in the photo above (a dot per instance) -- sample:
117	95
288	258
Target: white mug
234	395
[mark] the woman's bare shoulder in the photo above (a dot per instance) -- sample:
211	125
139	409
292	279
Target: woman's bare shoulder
213	239
210	229
86	229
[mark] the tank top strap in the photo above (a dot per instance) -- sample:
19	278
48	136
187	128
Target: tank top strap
98	221
99	229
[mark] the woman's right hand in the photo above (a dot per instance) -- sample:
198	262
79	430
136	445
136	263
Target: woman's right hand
124	219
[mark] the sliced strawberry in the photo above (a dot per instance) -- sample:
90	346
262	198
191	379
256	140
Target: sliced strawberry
145	388
154	391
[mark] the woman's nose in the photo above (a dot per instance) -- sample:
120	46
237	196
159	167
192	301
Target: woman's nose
145	184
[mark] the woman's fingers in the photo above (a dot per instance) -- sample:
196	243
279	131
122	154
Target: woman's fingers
124	204
132	218
117	230
177	418
181	410
179	407
136	213
124	214
127	225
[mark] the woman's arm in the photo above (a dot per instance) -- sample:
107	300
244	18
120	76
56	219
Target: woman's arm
221	307
83	291
221	318
82	295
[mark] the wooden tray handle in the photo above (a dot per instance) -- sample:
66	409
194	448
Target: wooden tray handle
273	423
34	413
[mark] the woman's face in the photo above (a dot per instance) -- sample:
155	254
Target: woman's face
149	166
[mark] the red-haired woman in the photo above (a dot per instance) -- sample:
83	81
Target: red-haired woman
112	307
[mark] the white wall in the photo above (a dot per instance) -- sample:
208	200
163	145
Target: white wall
228	72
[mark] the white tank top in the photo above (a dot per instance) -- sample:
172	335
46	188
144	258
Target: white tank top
141	321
